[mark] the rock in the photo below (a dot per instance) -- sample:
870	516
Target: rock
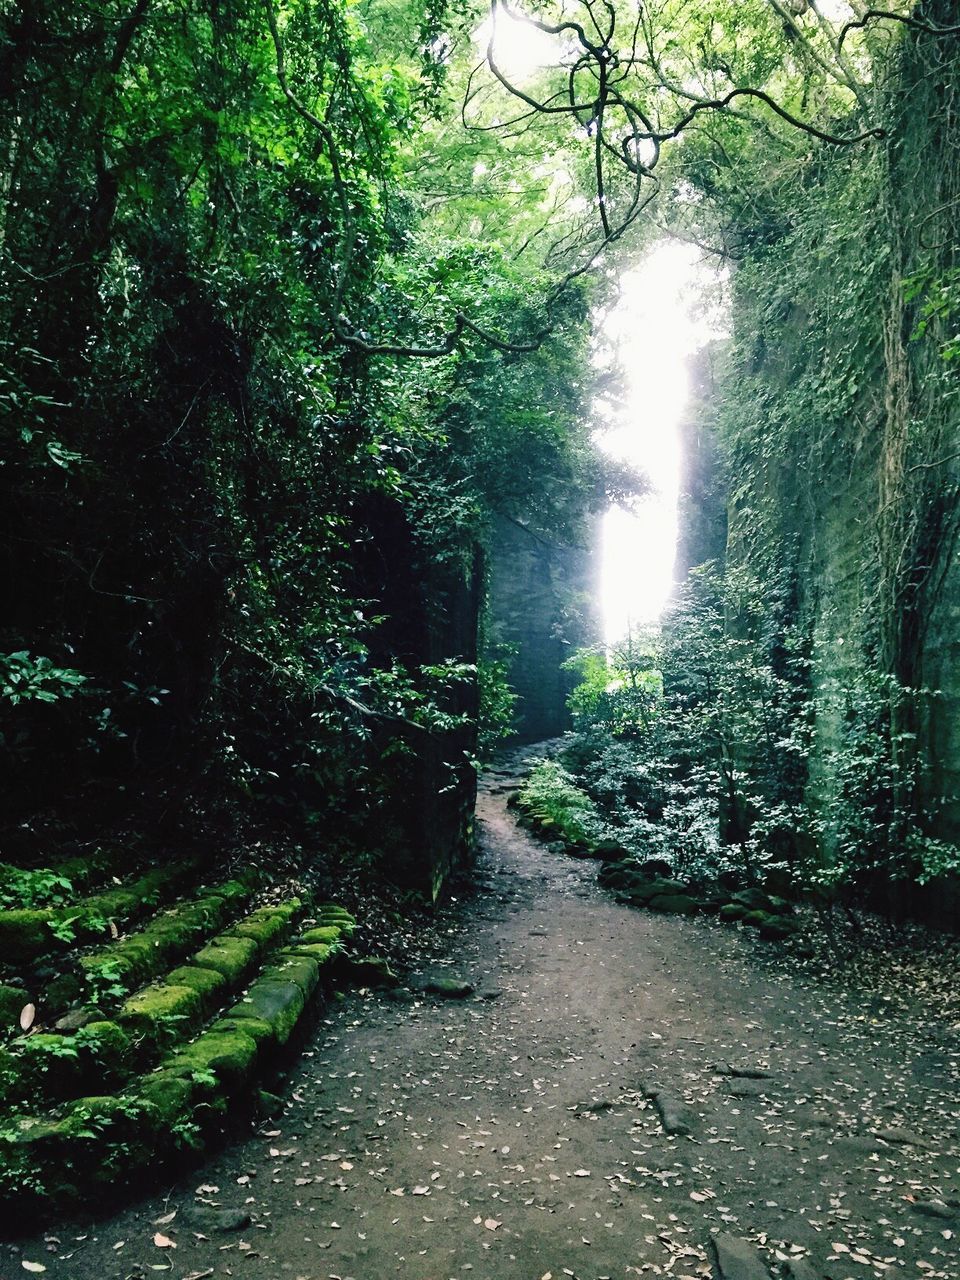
74	1019
743	1072
778	929
732	911
746	1089
610	851
736	1259
448	988
902	1137
674	903
655	869
936	1209
674	1115
800	1269
489	993
753	899
270	1104
207	1218
370	971
756	919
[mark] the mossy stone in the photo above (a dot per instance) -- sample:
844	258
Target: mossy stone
303	970
162	1012
208	984
674	903
229	1055
318	951
268	926
168	1096
756	919
325	933
753	899
278	1003
24	933
231	956
259	1030
732	911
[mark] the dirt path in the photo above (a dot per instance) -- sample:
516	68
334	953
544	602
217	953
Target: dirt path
508	1135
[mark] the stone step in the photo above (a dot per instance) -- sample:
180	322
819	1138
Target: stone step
99	1143
28	933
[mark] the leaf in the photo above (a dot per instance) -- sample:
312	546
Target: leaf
27	1015
492	1224
166	1219
36	1267
164	1242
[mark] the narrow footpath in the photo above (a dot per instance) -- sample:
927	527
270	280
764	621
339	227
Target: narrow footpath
518	1133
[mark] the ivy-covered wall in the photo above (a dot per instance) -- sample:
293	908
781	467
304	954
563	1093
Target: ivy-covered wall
837	416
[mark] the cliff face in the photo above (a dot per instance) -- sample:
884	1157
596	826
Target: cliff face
836	416
542	608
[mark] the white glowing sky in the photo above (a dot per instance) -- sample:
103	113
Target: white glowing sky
655	328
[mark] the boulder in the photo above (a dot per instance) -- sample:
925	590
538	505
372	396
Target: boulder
655	869
680	904
737	1259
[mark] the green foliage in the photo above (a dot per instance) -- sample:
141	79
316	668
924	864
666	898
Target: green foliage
497	701
551	796
258	544
39	887
24	679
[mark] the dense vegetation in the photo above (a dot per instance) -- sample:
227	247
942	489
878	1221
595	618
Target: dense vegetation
243	528
795	717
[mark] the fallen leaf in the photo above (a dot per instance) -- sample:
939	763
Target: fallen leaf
492	1224
164	1242
31	1266
27	1015
165	1219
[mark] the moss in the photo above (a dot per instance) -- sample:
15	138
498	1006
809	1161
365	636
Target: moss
732	911
319	951
278	1003
756	919
258	1029
326	933
165	939
230	1056
330	913
231	956
24	933
12	1000
161	1013
303	970
208	984
269	926
95	1143
168	1096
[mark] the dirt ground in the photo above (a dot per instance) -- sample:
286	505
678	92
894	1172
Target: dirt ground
510	1135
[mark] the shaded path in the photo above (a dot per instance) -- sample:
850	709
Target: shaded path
508	1136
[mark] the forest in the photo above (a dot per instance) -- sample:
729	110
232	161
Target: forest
305	353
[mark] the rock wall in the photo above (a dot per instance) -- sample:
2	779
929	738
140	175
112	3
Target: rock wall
837	419
543	607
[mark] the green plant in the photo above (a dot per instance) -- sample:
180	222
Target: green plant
27	679
38	887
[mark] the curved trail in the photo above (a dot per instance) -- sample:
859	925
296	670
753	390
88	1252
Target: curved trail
508	1136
